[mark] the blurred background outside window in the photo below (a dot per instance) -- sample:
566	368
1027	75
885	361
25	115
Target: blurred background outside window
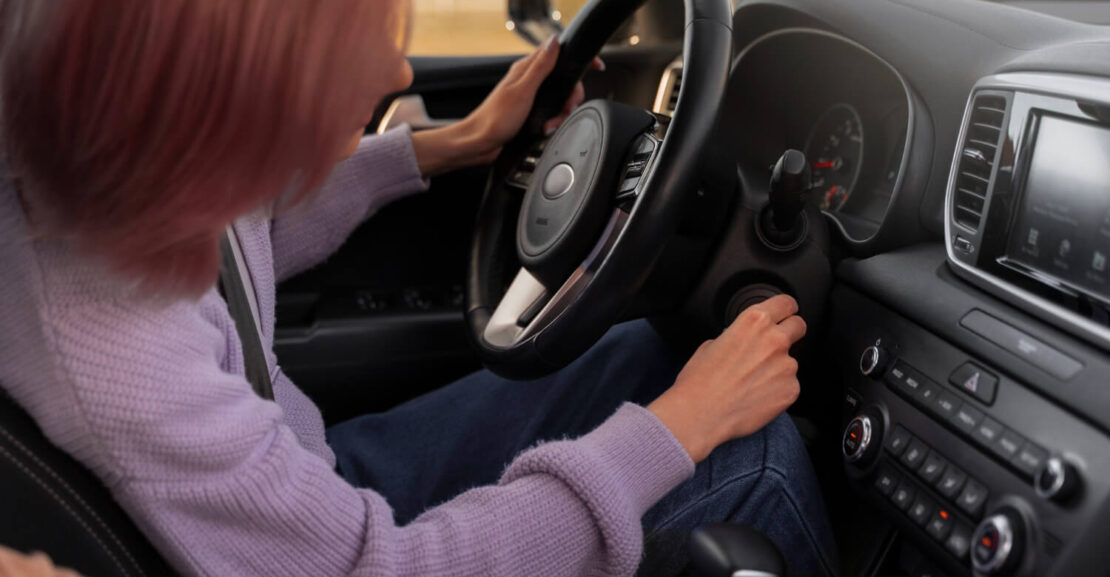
472	27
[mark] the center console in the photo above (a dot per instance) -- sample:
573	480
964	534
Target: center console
978	408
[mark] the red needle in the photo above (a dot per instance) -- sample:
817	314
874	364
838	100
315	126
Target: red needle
824	164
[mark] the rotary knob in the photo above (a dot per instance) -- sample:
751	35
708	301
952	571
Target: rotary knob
1058	480
997	544
874	361
859	439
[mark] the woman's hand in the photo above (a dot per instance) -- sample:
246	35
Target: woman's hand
738	383
478	138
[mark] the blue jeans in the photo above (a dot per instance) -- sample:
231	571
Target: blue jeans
436	446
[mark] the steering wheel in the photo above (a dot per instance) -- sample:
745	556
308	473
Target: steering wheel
601	198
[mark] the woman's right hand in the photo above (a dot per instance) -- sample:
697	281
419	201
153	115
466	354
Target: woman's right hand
737	383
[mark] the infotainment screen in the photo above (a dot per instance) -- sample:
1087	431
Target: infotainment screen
1063	225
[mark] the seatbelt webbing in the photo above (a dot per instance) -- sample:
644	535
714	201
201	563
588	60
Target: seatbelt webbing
246	323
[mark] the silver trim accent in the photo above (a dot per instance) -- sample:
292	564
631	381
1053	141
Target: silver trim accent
1005	544
753	573
503	330
410	110
864	443
666	88
873	353
1056	466
1060	85
911	114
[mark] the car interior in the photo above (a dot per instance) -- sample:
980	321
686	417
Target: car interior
930	179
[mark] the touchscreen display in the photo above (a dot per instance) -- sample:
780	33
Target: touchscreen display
1063	226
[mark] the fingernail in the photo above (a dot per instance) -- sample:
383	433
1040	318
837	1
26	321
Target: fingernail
551	43
600	65
549	131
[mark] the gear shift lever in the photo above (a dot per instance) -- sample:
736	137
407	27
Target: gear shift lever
782	223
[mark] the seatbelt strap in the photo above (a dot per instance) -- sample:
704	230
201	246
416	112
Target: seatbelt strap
233	277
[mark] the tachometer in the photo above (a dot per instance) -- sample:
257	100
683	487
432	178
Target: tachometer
835	147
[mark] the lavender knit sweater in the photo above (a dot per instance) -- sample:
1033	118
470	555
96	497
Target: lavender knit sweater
154	401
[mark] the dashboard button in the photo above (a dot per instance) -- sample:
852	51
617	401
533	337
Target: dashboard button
959	541
1008	444
904	380
940	525
886	482
927	394
975	381
972	498
897	441
903	496
921	510
932	468
987	432
1030	459
951	482
1022	345
946	405
967	418
915	454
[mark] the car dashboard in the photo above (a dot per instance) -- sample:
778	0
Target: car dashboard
969	307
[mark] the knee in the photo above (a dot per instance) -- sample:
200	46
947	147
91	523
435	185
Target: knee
785	453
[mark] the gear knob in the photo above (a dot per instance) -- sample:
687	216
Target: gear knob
728	549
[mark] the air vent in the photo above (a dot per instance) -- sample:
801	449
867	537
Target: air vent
984	134
666	100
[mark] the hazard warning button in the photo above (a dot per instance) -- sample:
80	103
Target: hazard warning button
975	381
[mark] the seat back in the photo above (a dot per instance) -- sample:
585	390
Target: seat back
50	503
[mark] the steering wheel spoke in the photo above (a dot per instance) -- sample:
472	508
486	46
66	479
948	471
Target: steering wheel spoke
528	305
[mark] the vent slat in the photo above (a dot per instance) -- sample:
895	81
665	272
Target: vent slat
984	134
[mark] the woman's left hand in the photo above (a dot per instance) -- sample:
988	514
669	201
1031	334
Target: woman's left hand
478	138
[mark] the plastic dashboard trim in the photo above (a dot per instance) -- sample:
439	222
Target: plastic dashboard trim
911	114
1050	84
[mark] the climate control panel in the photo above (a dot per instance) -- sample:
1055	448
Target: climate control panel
980	473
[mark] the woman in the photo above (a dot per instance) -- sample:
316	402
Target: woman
135	132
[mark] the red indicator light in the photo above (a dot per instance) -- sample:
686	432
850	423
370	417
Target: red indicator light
987	542
820	165
943	514
853	435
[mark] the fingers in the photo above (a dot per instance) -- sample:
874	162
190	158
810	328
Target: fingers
576	98
542	63
794	327
597	64
778	308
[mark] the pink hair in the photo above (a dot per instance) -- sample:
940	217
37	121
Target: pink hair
141	128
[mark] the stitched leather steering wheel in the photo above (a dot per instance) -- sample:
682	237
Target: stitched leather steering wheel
601	197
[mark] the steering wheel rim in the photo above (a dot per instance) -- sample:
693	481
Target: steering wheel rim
564	321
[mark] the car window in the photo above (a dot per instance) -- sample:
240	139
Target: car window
472	27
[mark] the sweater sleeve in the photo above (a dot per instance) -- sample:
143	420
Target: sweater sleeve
222	487
381	170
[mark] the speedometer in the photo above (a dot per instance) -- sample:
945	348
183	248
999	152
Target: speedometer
835	147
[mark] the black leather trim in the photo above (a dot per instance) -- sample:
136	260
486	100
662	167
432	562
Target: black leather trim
50	503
